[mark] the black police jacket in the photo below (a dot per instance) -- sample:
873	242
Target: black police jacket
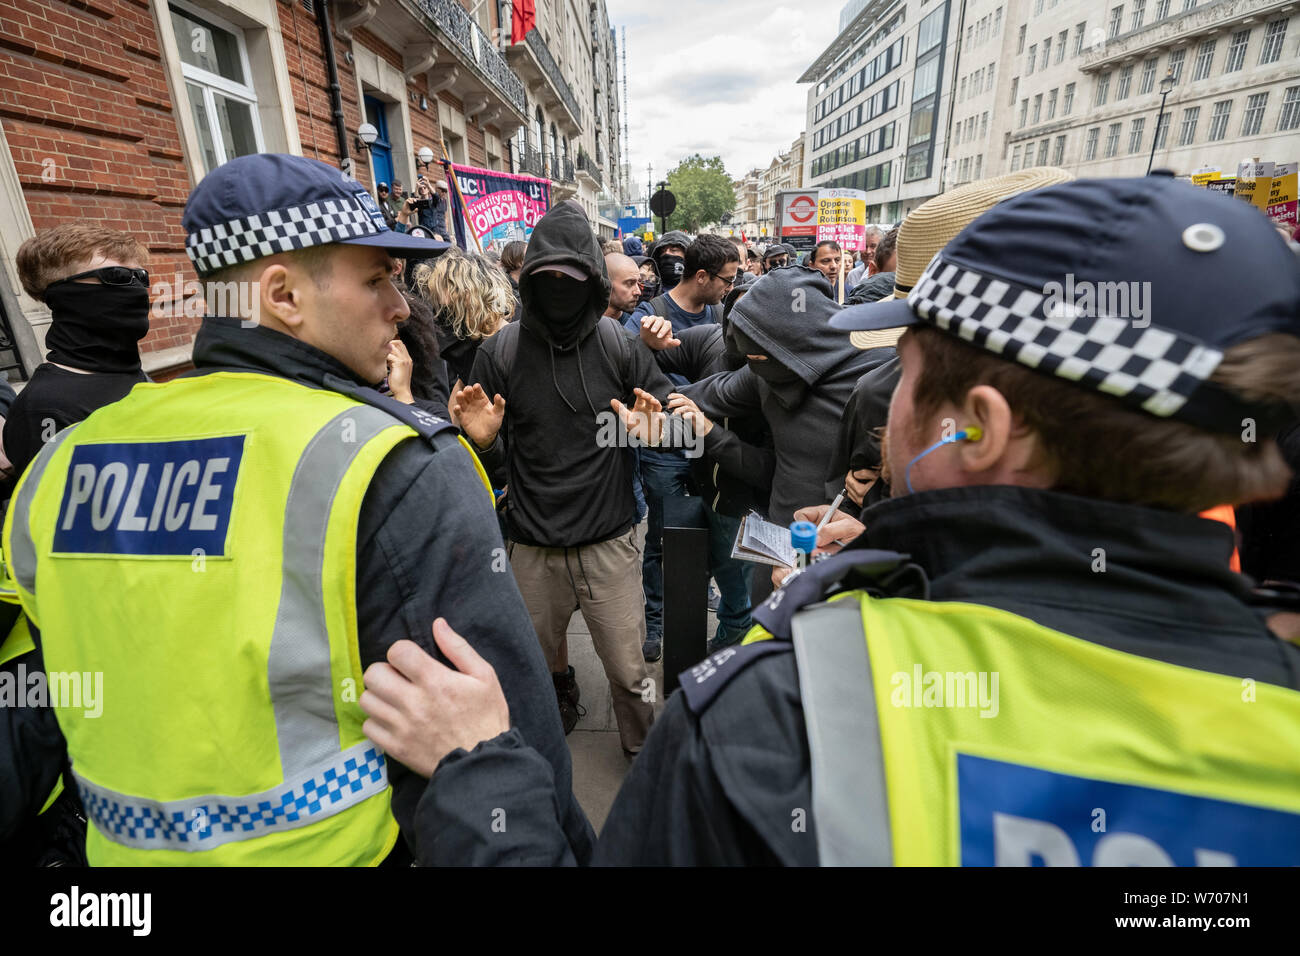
719	777
428	545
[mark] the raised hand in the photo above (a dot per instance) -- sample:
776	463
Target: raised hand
480	418
685	407
400	366
657	333
644	420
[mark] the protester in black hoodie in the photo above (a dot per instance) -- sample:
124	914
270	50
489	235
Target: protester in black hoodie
669	255
799	372
561	370
649	277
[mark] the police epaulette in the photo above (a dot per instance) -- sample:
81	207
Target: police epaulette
427	425
702	682
852	568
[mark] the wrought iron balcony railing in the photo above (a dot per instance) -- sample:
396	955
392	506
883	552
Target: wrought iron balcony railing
552	71
587	165
461	29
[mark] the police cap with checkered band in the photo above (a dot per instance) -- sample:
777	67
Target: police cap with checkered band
258	205
1130	287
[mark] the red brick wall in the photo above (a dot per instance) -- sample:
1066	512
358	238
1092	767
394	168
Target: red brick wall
309	82
85	106
83	100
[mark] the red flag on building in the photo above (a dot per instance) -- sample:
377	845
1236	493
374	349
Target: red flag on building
523	17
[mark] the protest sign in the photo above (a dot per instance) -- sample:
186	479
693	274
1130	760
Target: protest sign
498	207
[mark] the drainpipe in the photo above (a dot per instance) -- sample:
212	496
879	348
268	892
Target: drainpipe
332	72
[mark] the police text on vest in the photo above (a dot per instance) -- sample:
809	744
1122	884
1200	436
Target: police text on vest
157	498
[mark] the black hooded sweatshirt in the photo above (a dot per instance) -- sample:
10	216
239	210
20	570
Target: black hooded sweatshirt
803	386
568	484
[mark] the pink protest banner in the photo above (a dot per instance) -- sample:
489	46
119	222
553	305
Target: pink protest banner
499	207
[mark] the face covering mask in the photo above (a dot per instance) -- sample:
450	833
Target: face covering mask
649	289
562	304
786	384
731	357
96	327
672	268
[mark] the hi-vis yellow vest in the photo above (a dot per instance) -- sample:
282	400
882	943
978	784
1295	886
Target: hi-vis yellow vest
958	734
193	546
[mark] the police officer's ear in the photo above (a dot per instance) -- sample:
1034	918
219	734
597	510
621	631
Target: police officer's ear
1000	442
281	295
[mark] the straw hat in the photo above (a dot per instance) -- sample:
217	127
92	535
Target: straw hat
932	225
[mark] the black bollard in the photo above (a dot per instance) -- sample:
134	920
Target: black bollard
686	586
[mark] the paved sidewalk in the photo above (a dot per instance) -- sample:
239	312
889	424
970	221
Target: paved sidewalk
598	761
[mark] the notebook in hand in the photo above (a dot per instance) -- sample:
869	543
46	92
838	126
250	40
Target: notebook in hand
763	542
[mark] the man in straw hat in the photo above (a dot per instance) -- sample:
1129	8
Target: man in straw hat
1037	654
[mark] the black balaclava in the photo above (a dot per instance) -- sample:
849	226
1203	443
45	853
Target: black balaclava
671	270
788	387
732	358
562	302
649	289
96	327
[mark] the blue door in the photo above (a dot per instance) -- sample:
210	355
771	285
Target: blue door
381	152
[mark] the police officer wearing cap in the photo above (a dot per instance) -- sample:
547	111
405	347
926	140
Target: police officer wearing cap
233	549
1035	652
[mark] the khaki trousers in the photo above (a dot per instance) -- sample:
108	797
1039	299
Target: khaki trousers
603	581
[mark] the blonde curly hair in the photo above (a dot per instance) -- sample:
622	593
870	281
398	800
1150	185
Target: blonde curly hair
470	293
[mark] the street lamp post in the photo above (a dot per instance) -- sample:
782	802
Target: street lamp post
1166	85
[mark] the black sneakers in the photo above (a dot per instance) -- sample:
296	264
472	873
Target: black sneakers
566	696
652	649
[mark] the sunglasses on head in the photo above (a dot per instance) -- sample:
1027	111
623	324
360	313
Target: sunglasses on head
113	275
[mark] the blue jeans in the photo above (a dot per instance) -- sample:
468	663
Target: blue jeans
637	493
661	476
733	577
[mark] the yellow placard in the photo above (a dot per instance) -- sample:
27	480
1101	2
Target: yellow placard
842	217
1254	182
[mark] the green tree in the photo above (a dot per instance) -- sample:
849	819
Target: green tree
703	190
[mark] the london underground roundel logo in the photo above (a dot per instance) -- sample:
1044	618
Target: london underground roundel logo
803	209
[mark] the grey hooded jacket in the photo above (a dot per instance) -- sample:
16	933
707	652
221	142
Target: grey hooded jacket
787	313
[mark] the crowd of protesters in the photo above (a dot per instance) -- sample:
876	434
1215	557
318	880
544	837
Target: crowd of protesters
750	385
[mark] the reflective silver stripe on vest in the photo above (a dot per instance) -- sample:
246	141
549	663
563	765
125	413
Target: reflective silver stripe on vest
319	781
22	562
849	797
298	667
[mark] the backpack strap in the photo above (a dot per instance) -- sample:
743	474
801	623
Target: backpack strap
616	349
659	305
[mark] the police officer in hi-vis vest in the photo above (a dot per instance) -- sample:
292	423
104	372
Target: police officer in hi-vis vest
232	549
1035	652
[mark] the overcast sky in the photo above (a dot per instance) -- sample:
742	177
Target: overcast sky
718	78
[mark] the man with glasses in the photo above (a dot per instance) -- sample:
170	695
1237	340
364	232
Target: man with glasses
97	290
712	264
